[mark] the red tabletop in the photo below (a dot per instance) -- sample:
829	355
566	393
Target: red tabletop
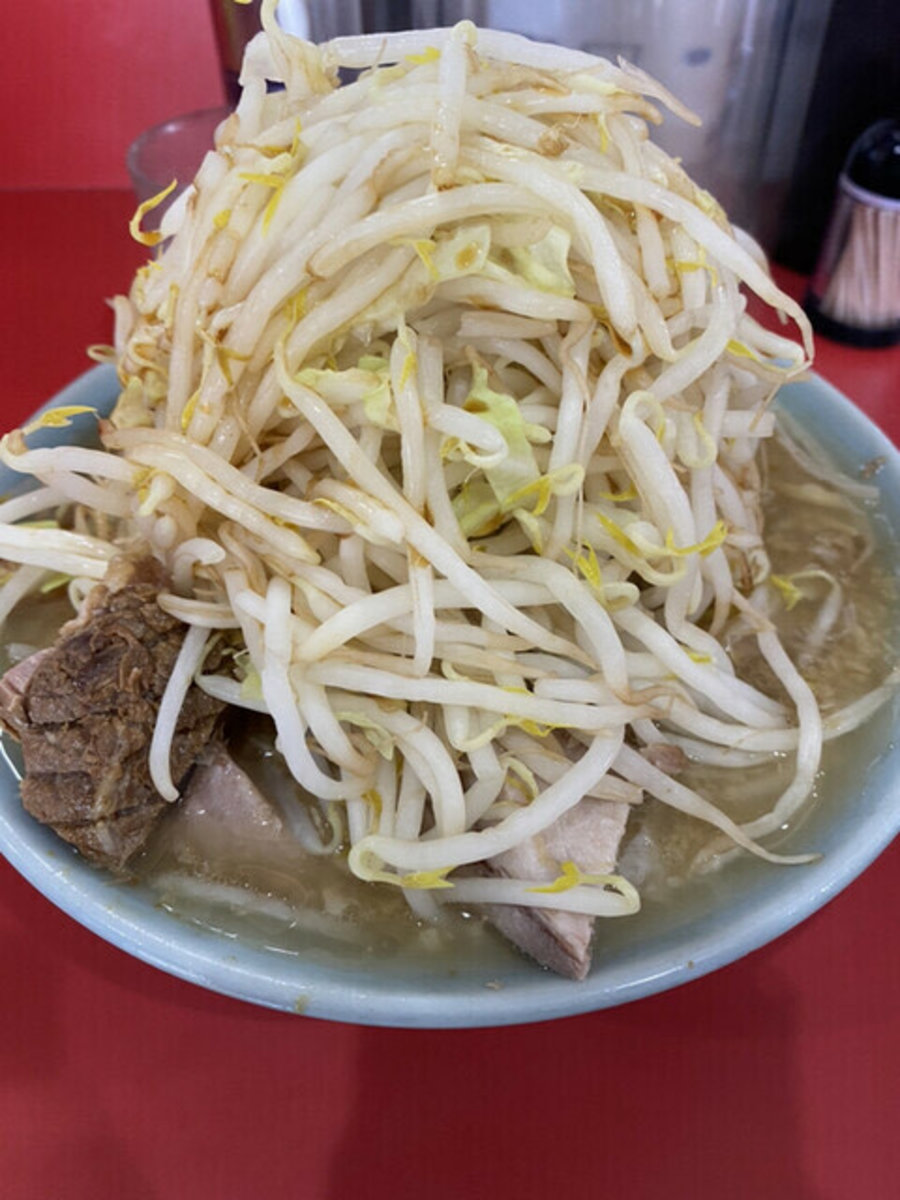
775	1077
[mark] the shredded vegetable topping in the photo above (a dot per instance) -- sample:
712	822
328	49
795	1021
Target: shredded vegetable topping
441	404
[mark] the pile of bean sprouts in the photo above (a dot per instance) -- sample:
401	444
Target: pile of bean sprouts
441	403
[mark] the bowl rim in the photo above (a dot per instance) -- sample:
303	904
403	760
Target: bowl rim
122	916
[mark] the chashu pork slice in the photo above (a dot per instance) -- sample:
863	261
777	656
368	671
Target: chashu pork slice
85	709
588	835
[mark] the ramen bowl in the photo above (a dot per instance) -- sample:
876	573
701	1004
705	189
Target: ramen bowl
713	921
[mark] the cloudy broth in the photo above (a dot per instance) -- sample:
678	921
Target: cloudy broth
300	904
278	895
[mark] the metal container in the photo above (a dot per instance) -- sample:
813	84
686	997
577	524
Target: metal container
746	69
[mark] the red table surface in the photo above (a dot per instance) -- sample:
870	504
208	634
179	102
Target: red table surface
774	1077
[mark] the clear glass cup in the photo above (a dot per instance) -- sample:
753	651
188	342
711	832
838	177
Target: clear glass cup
174	149
171	150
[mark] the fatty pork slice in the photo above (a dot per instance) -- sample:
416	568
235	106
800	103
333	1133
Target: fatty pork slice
221	804
12	691
588	835
85	709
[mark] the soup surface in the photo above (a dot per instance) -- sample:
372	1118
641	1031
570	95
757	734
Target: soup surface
275	893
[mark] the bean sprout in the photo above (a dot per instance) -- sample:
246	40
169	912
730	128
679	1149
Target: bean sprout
440	404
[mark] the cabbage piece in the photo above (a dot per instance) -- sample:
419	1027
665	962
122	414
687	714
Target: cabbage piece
545	264
367	384
464	252
519	468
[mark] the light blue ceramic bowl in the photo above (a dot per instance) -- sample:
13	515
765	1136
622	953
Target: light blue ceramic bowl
722	919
